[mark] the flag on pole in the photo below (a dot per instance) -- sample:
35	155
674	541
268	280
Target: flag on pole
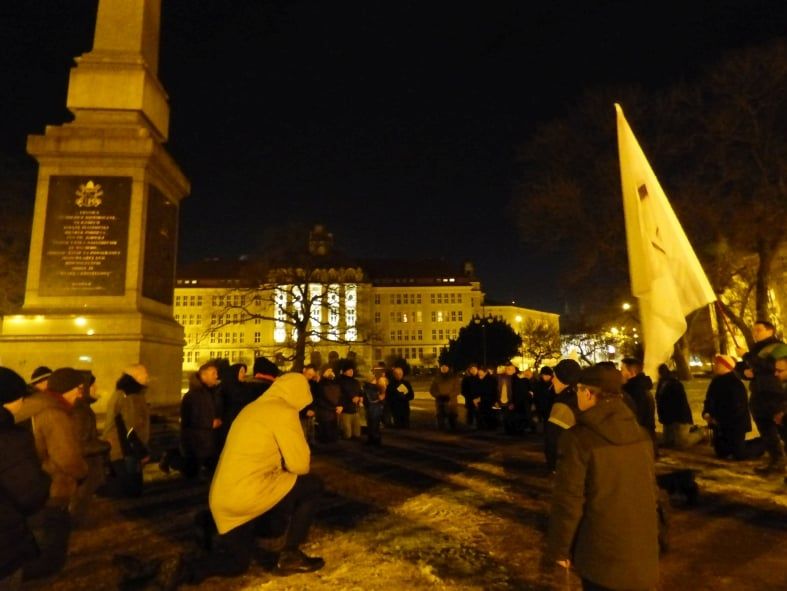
666	277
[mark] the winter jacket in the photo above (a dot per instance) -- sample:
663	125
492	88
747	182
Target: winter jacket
487	392
398	394
638	388
24	488
56	442
543	397
350	388
671	402
468	388
328	398
197	411
726	402
603	514
445	388
522	397
129	402
264	453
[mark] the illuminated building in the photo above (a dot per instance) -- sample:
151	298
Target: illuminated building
374	309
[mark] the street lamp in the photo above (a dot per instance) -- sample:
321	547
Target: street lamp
626	306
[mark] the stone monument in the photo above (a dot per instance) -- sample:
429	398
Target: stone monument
102	255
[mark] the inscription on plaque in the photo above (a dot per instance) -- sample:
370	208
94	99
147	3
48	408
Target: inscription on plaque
158	280
85	236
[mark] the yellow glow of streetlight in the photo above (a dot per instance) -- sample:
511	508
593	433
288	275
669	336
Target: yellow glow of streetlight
626	306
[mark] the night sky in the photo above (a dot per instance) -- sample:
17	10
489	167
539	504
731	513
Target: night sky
396	124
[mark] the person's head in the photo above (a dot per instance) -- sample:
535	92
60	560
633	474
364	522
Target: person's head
664	372
630	367
482	372
597	383
68	383
510	369
527	374
39	378
723	364
309	372
397	373
472	369
780	369
327	373
139	373
12	389
566	373
347	368
762	330
265	367
208	374
445	368
546	374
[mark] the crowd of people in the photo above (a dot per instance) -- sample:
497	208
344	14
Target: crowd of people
251	436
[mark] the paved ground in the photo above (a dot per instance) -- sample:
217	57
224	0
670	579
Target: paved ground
442	511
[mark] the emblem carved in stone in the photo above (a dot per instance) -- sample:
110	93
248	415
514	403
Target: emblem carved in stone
89	195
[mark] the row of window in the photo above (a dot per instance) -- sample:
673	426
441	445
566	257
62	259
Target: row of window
415	298
232	356
188	300
221	301
407	335
417	317
189	319
228	338
441	335
410	352
234	318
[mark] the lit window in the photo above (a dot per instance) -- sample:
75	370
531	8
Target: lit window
377	317
350	308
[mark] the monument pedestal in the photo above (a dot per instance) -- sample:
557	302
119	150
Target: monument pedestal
101	272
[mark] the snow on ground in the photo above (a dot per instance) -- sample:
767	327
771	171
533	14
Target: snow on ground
438	511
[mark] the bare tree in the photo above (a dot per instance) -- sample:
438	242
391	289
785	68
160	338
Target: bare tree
540	341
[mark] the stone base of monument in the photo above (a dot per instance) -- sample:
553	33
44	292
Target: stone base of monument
103	343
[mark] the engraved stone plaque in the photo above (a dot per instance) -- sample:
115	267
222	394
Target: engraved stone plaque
86	236
158	280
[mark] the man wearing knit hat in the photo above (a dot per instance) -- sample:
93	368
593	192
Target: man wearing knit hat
24	486
564	407
726	410
603	517
61	457
39	378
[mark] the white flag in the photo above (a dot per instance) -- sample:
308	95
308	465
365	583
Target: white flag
666	276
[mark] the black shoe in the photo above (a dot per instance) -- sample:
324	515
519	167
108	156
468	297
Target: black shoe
292	562
267	559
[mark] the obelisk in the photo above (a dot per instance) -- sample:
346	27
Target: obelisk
102	255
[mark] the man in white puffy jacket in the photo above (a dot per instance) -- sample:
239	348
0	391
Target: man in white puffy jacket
264	471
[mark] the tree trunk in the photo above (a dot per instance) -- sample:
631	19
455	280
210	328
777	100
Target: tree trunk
766	252
680	355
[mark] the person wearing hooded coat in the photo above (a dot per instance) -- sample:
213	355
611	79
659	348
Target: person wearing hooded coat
603	518
263	470
127	409
24	486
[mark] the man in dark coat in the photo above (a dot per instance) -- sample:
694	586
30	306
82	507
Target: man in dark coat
562	415
351	400
638	386
328	407
468	391
767	396
726	410
674	411
486	390
199	421
399	393
542	394
603	517
24	486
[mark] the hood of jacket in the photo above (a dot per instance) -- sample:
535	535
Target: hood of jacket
292	388
613	421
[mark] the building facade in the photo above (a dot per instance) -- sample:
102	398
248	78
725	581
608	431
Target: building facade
371	310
